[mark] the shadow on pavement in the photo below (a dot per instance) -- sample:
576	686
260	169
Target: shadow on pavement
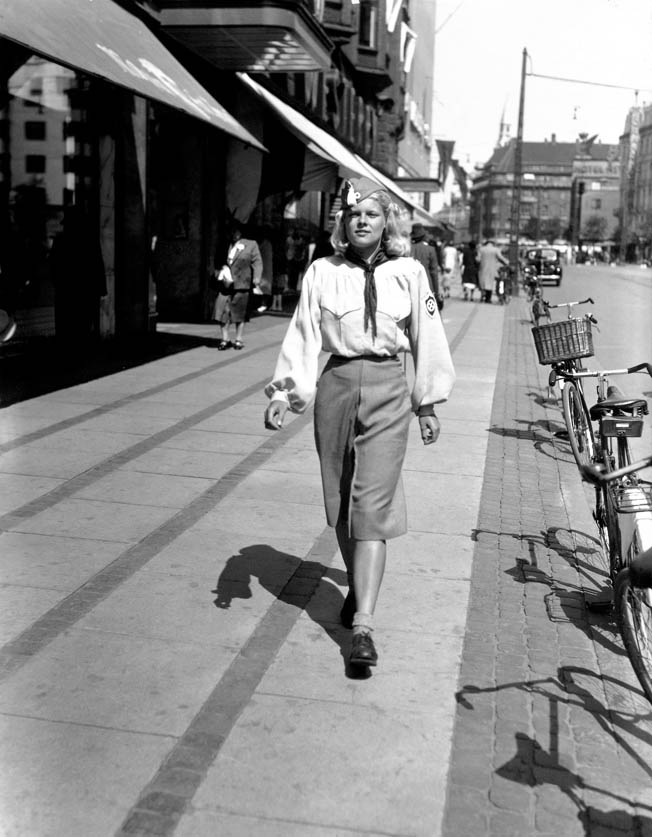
42	365
535	765
266	564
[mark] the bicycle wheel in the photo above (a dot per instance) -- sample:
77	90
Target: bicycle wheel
607	521
634	608
578	424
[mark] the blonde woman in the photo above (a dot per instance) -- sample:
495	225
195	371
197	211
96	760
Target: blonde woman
366	304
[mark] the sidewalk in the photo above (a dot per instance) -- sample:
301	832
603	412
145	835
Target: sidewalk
172	660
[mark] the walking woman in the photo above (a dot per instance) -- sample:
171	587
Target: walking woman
365	304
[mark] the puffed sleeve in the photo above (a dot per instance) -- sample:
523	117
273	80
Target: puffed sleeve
434	372
295	376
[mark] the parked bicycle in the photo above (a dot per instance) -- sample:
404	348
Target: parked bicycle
630	522
619	418
503	284
562	345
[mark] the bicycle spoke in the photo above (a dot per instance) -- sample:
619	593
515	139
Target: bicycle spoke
635	611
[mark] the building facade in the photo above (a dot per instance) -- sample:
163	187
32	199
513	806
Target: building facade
563	184
182	115
636	185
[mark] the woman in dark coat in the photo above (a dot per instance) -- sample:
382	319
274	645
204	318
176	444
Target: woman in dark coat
470	279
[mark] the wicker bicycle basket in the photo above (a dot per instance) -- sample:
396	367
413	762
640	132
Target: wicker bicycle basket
563	340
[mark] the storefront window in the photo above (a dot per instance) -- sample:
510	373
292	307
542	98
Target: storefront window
39	102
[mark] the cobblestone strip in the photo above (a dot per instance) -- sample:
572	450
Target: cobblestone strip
64	424
14	654
71	486
162	803
552	735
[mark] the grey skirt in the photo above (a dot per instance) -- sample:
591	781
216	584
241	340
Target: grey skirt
362	416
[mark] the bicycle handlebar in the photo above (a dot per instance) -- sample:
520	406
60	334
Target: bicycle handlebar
599	373
597	475
640	367
570	304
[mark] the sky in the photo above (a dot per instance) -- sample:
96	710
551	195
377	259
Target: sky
478	56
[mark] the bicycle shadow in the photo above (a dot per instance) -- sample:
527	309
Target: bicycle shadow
585	604
541	432
535	765
268	566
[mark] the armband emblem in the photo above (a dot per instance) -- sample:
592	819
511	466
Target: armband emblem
431	305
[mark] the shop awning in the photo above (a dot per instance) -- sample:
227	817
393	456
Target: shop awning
328	147
101	38
317	140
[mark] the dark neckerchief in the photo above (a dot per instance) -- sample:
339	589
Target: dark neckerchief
370	296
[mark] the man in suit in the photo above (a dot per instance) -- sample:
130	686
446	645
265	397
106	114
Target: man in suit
235	281
426	254
490	259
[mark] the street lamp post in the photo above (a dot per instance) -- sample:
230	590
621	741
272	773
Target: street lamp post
515	219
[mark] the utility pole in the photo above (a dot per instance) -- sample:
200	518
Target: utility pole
518	176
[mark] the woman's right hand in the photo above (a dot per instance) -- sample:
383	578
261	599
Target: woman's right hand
275	414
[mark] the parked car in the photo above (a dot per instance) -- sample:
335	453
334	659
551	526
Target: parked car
544	263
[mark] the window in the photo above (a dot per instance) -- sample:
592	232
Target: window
35	130
368	24
35	163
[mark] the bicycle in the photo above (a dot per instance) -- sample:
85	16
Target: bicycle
632	539
503	287
562	345
619	418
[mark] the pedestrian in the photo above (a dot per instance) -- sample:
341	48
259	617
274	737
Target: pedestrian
452	272
264	296
236	279
296	254
79	279
365	305
470	270
490	259
425	253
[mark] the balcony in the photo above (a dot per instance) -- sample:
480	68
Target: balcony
254	36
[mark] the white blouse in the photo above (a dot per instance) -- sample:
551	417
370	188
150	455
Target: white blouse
330	316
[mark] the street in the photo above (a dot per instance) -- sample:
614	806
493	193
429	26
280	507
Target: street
172	660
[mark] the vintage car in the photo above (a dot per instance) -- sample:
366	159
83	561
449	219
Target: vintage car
544	264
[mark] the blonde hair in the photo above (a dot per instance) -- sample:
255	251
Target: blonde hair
393	242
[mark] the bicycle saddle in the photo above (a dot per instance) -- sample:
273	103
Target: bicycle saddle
640	570
617	401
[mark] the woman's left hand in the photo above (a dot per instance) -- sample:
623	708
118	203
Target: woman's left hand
430	429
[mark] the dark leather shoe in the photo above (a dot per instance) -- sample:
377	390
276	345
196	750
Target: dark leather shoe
348	610
363	651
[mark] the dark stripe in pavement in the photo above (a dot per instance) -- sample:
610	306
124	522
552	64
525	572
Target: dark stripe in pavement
112	463
64	424
14	654
163	802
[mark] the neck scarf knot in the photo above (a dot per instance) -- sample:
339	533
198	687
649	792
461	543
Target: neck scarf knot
370	295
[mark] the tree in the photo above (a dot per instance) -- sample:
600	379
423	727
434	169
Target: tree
551	229
595	228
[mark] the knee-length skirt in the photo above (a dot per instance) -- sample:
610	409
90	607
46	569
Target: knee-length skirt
362	416
231	307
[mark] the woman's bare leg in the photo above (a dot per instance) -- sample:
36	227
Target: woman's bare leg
368	570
